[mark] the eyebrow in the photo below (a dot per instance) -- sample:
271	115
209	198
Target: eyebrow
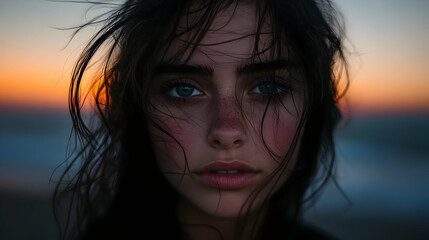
247	68
167	68
268	66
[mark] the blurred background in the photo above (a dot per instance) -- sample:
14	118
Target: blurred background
382	171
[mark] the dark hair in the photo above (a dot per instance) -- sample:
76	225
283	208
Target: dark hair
114	157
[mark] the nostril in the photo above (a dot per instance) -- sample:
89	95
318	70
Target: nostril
225	144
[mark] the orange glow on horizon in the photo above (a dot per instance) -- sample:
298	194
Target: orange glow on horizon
28	89
33	89
382	89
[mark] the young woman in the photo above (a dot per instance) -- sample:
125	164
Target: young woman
214	118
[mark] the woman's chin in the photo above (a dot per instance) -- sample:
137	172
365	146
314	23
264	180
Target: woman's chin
227	208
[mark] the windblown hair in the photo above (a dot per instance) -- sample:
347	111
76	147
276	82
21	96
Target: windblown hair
117	178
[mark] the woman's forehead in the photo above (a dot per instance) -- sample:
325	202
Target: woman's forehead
235	21
230	37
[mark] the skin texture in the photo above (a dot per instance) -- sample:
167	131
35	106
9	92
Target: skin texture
220	120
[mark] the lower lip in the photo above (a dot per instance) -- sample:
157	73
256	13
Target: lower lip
227	181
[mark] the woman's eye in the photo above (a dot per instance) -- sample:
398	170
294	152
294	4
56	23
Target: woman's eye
184	91
267	89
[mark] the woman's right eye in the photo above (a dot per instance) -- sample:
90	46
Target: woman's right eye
184	91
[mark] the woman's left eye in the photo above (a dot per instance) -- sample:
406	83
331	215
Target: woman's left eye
184	91
268	88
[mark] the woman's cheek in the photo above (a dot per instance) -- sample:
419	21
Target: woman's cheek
279	130
172	146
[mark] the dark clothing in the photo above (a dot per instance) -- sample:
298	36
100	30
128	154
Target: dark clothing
276	228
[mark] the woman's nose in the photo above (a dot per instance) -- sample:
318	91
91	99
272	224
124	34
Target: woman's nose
226	130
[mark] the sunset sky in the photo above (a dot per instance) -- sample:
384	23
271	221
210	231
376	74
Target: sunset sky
388	41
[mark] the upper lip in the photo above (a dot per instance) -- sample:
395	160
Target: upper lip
226	165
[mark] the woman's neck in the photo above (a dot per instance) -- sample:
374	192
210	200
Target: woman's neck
197	224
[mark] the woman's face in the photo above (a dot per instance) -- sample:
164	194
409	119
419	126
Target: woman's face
223	137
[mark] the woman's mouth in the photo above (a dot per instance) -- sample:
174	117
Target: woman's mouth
227	175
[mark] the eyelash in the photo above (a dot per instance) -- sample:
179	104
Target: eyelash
169	85
281	85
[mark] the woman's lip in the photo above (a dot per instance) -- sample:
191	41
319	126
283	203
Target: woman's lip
227	166
227	175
